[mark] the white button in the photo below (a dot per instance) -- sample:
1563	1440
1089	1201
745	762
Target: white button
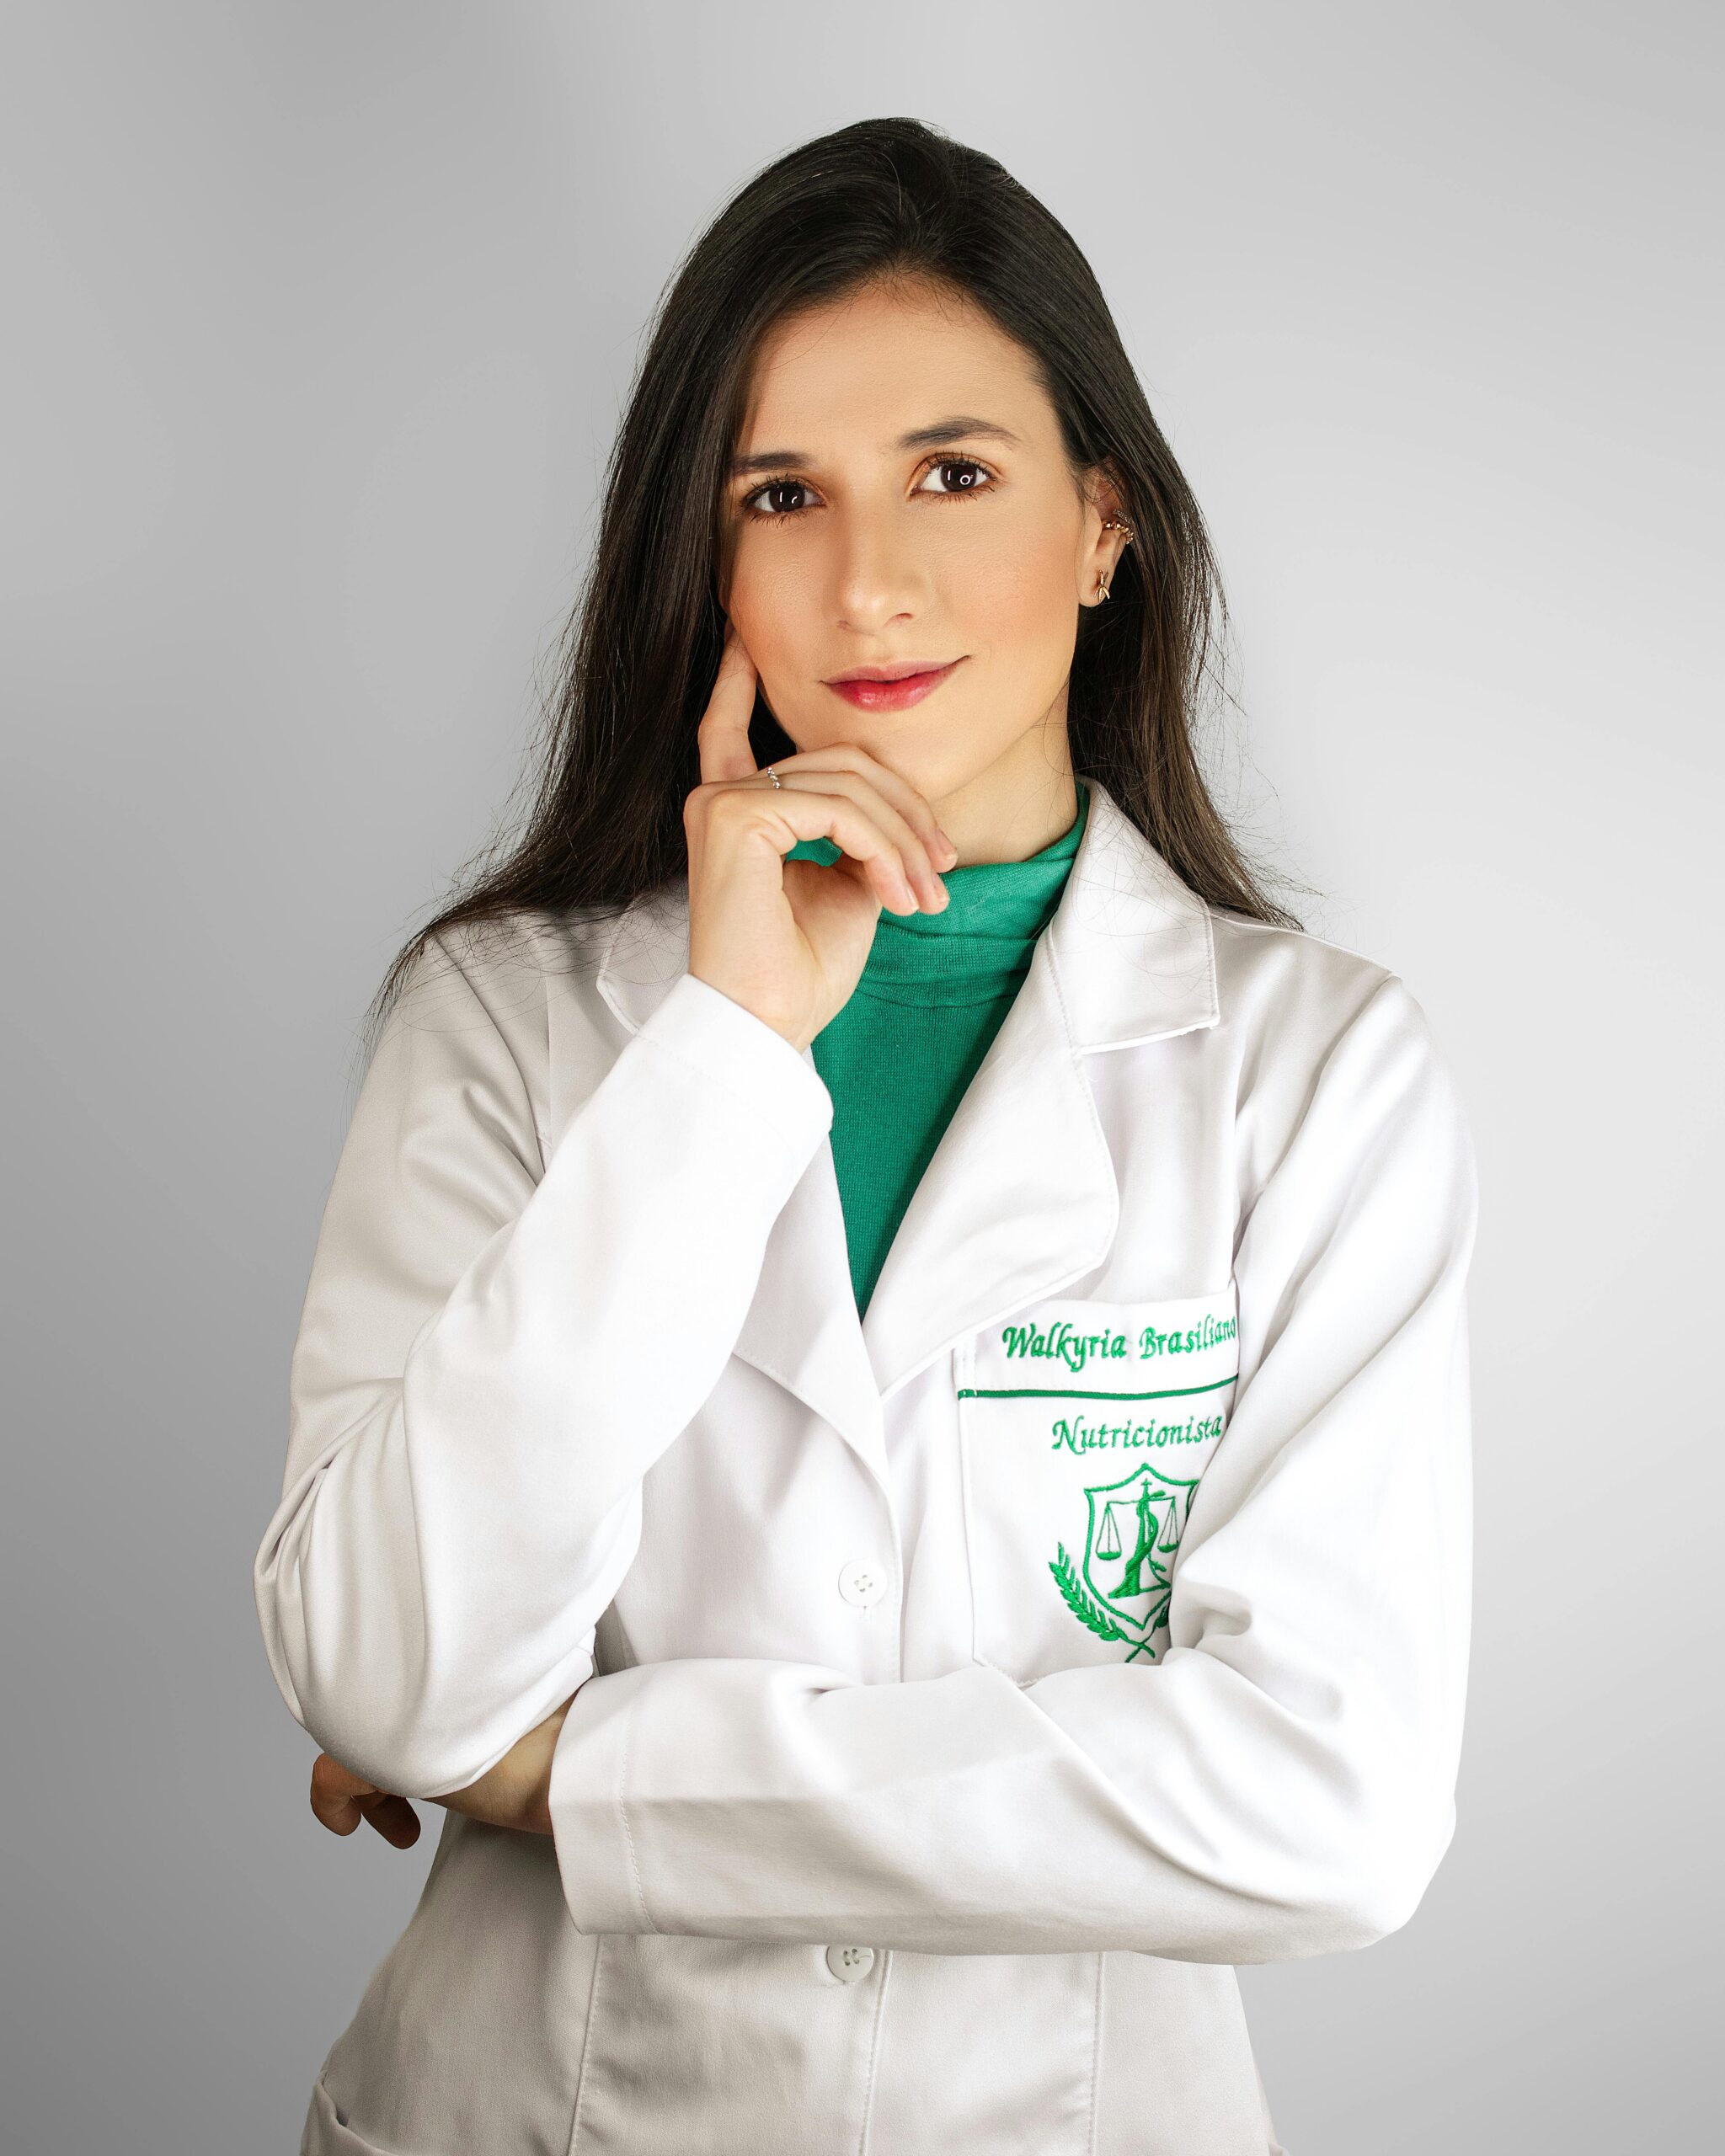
863	1582
848	1963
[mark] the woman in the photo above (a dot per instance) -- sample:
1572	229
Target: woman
881	1413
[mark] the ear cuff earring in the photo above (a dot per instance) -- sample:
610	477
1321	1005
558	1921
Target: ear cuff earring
1114	524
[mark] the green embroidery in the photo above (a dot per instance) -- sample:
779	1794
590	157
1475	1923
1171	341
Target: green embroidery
1065	1344
1061	1342
1134	1607
1108	1436
1072	1392
1080	1603
1204	1334
1120	1588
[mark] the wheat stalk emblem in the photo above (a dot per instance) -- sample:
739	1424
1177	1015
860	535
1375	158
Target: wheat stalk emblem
1087	1611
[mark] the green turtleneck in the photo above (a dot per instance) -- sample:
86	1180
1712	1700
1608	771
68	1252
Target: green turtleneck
932	996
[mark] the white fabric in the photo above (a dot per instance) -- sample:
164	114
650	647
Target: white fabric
581	1383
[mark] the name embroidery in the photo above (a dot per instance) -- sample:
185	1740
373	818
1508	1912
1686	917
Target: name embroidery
1066	1344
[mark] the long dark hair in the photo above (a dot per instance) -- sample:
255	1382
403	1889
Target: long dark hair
615	757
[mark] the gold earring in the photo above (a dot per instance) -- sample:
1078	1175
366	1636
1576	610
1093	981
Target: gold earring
1114	524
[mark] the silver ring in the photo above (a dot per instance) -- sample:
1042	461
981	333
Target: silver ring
775	777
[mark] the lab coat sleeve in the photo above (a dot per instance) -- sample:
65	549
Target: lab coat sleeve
1281	1785
495	1347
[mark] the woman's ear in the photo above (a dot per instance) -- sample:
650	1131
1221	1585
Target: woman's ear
1103	494
1107	493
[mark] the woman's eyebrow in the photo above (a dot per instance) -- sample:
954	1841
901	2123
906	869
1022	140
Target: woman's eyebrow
769	460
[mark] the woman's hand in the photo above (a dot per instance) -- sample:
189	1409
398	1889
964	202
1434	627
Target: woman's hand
788	940
516	1792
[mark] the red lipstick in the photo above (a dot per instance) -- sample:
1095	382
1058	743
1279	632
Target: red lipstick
868	691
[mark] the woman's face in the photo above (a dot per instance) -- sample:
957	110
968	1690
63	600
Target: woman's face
901	493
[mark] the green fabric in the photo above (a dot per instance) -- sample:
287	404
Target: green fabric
933	993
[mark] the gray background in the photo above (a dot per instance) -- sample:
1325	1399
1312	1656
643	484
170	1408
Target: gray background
318	323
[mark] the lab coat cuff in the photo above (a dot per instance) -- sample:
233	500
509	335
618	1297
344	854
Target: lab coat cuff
590	1831
772	1082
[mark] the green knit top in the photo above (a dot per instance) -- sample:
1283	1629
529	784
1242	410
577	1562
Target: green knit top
932	996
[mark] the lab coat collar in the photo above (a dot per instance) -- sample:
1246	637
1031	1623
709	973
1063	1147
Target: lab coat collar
1020	1197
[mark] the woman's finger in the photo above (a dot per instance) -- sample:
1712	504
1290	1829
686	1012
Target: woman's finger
723	736
894	805
734	810
335	1794
340	1799
912	805
393	1818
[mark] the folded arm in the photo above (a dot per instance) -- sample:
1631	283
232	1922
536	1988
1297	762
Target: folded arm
1281	1785
494	1351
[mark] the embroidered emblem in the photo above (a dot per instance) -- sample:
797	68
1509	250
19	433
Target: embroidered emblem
1121	1588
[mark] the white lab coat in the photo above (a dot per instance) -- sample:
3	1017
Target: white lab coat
979	1682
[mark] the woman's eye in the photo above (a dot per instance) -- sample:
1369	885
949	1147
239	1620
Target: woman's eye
774	487
958	464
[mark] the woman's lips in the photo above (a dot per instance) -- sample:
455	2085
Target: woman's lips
892	696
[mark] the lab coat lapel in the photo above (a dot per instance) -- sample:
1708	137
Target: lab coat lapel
1020	1197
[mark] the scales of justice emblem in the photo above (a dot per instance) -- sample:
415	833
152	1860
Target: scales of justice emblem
1121	1587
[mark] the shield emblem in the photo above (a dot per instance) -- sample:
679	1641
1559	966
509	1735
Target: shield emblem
1120	1586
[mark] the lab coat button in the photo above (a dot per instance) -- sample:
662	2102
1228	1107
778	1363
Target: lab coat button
863	1582
848	1963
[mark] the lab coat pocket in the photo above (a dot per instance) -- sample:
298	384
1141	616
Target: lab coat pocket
1085	1427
